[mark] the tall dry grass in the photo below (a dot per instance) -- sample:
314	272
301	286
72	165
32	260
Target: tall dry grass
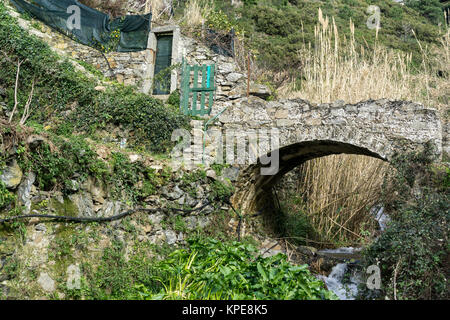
338	193
340	190
196	12
338	69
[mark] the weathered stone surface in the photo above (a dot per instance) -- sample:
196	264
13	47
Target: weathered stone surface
191	222
231	173
11	175
234	77
175	194
24	192
379	129
47	283
100	88
446	139
260	90
156	219
171	237
84	204
96	189
73	277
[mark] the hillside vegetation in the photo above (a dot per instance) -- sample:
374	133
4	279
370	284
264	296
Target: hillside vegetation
59	89
321	51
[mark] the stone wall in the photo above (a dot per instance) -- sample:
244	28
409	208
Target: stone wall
128	68
42	259
379	129
228	75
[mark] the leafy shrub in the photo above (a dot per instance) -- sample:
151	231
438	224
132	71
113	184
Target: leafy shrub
221	191
62	161
55	168
219	21
151	123
294	226
115	277
277	29
133	180
60	89
174	99
413	252
431	9
6	197
211	269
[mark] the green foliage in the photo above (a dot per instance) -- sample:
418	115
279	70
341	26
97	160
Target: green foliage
278	29
6	197
65	163
115	277
219	21
431	9
174	99
133	180
74	159
193	177
221	191
60	89
212	269
190	181
151	122
218	168
413	252
109	43
292	223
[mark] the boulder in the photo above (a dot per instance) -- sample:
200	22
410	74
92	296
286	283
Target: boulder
11	175
171	237
231	173
260	90
47	283
176	193
24	192
257	90
73	277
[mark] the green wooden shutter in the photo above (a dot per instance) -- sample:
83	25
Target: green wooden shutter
198	98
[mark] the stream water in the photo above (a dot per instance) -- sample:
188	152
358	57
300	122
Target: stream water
344	278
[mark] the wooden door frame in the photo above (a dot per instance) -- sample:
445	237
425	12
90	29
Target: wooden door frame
151	57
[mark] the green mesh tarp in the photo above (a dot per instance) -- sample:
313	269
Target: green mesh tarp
96	29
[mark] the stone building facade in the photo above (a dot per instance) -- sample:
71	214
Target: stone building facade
137	68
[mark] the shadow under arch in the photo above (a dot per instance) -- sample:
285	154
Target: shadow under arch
254	190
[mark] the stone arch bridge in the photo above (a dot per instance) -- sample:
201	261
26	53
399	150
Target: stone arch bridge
379	129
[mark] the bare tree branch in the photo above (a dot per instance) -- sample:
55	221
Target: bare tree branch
16	101
26	111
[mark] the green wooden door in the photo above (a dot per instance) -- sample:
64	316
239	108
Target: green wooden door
163	62
197	89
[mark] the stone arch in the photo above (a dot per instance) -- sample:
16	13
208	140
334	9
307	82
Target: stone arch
253	186
380	129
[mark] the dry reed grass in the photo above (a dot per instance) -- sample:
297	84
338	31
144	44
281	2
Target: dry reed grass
337	69
339	193
196	12
340	190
